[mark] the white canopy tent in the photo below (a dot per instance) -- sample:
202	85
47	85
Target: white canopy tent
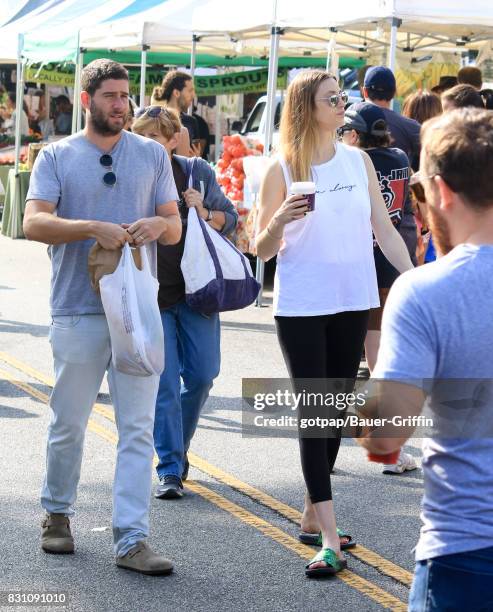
37	24
362	25
429	22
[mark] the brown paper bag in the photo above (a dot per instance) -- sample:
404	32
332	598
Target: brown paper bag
102	261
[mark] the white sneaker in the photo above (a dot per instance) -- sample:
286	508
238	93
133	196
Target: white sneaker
405	463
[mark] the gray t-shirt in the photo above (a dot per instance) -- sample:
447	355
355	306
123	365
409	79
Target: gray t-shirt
70	175
437	324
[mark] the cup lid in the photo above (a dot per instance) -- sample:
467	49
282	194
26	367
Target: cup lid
303	187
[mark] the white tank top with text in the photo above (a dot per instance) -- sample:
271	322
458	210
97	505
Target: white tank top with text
326	264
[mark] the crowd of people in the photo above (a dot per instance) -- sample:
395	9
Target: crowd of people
8	115
132	177
35	119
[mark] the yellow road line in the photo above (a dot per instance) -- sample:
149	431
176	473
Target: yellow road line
305	552
381	564
93	425
24	386
23	367
369	589
47	380
360	552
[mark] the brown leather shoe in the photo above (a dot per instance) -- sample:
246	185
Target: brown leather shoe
142	559
56	537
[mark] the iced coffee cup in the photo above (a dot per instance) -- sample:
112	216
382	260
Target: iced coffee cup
307	189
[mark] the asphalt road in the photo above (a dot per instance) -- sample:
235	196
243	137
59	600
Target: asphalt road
233	536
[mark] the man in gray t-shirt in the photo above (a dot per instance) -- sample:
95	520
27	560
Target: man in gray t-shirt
436	339
112	187
69	174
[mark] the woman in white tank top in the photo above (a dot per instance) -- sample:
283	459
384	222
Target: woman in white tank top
325	279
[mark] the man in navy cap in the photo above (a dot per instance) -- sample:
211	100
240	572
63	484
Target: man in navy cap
379	88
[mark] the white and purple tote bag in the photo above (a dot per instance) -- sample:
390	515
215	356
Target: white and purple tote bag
217	276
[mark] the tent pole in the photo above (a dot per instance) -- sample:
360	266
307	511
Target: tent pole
330	67
193	55
143	66
275	36
217	130
19	97
271	87
395	24
78	69
193	61
80	64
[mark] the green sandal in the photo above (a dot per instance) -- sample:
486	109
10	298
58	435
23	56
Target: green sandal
315	539
334	564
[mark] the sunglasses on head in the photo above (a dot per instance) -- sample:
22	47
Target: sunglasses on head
333	100
150	111
109	179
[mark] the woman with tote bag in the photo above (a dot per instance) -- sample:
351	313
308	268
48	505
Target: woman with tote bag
192	339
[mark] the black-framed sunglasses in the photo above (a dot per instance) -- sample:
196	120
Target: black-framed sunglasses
109	179
334	99
150	111
342	130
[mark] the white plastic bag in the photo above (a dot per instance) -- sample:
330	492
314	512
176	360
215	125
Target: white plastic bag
129	297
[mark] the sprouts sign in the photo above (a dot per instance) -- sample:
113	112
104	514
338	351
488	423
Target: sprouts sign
250	81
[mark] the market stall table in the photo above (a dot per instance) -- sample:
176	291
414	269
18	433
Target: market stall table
15	203
4	173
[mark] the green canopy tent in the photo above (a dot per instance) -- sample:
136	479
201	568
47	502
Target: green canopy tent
212	60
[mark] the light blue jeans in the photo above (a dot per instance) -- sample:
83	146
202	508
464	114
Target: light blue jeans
82	354
192	355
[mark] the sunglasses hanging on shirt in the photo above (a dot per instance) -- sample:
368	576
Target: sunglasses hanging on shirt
109	179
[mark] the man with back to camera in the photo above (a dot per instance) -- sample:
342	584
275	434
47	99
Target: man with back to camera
437	329
110	186
461	96
380	88
470	75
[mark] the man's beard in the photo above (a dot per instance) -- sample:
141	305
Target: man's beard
182	105
100	122
439	231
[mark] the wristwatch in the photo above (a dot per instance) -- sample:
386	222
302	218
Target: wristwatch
209	214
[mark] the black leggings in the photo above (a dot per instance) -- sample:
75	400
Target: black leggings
327	346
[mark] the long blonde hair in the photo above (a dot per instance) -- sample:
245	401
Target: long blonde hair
299	133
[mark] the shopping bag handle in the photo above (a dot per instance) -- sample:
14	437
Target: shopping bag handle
129	260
